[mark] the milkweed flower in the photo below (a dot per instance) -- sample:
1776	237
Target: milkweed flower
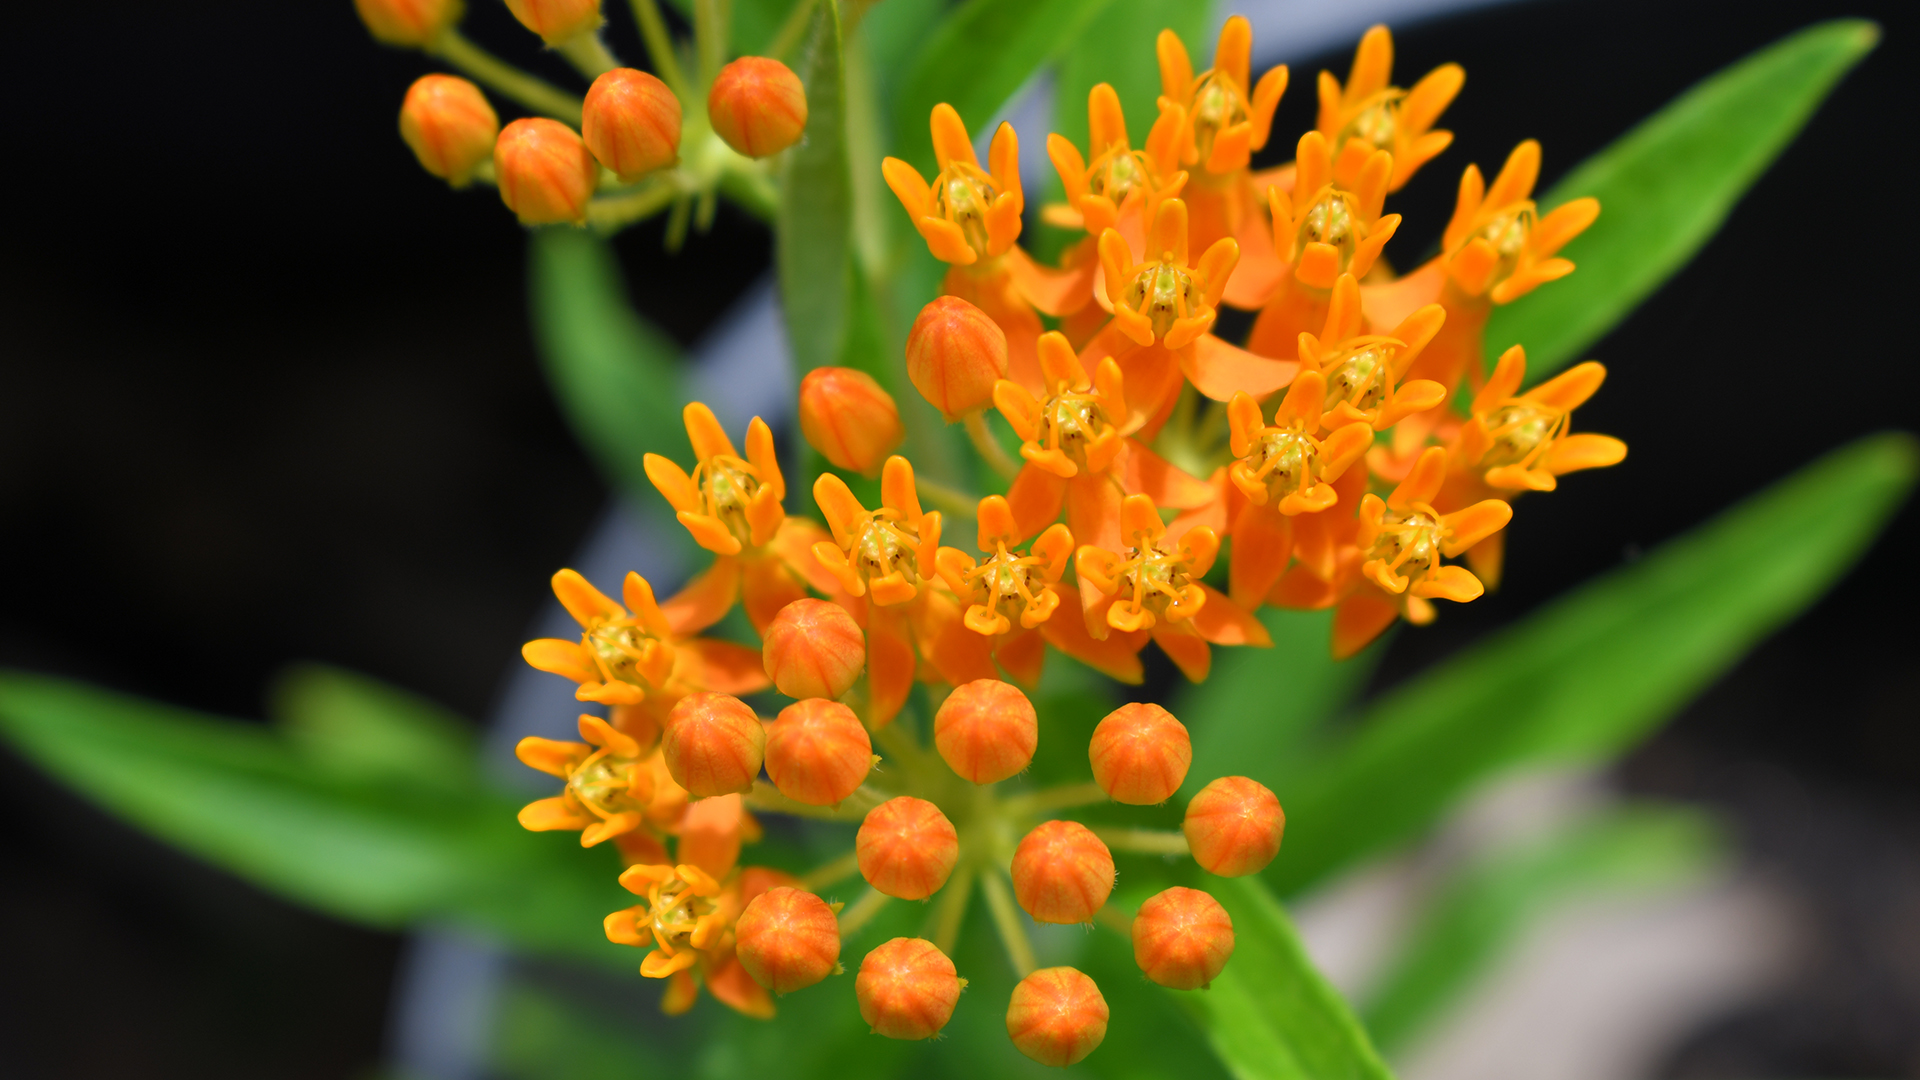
688	916
1367	114
1113	185
608	786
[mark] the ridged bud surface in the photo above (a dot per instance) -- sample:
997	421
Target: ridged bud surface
631	123
448	124
907	989
1140	754
545	173
1057	1016
412	23
758	106
955	354
1182	938
986	730
1234	826
813	649
849	418
788	939
556	20
713	745
907	848
818	752
1062	873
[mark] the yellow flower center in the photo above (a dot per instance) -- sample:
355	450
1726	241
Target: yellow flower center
1409	543
1118	173
1070	421
1285	460
726	485
885	547
1521	431
624	652
1376	121
1361	375
1007	578
1164	291
1153	582
1218	104
961	194
601	783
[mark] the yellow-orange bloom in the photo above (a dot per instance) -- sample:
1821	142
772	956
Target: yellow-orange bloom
1404	536
1363	372
1496	245
1228	115
1326	229
967	213
1113	179
689	916
887	551
1520	442
608	785
1164	298
1368	114
621	654
1023	583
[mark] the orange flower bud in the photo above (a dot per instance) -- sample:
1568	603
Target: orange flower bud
849	418
546	175
907	989
906	848
788	940
818	752
1062	873
556	20
631	123
449	125
813	649
1182	938
713	745
986	730
1140	754
758	106
1057	1016
412	23
1234	826
955	353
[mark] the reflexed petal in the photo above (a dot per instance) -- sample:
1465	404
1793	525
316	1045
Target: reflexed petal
1094	510
1262	544
733	987
1359	619
1188	651
1035	499
706	599
1023	654
1423	483
724	667
1220	370
890	665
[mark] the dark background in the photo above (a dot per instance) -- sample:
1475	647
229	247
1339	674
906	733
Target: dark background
267	394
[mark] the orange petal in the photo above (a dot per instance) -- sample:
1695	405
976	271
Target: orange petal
1585	451
1168	239
1415	396
1223	622
1372	65
1570	389
639	597
1262	544
897	491
1176	69
1071	166
1106	121
890	665
672	482
710	533
1035	499
600	733
1504	383
1117	657
760	453
1147	473
558	657
555	814
705	600
710	834
1517	176
1266	98
908	186
794	545
1431	96
1188	651
1094	511
1487	558
1474	524
704	432
1359	619
843	512
723	667
1220	370
1232	149
950	140
585	603
1055	292
1423	483
617	825
1023	654
551	756
733	987
946	241
1455	583
1567	221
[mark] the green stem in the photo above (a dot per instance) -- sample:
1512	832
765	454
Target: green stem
666	63
610	215
838	870
952	911
791	30
955	504
767	797
710	37
1006	919
989	447
1053	798
1113	918
1142	841
588	54
861	912
504	78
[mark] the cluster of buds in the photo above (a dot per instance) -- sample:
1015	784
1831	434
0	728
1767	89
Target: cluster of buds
624	152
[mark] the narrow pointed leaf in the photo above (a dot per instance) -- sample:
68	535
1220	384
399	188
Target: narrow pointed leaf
814	229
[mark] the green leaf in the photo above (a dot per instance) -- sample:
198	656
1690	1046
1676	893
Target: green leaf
814	228
1666	186
618	380
365	729
1591	672
1270	1015
1489	906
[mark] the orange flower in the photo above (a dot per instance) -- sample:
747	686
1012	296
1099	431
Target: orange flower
1364	372
1368	115
688	915
731	505
1154	586
608	786
1022	582
1115	181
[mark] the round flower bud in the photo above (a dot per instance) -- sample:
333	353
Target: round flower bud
906	848
817	752
1062	873
1182	938
1057	1016
907	989
758	106
788	940
1140	754
849	418
546	175
713	745
986	730
813	649
955	354
1234	826
412	23
557	20
449	125
631	123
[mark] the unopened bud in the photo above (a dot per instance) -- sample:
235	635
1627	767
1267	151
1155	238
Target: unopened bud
1234	826
1062	873
907	989
813	649
788	940
849	418
1140	754
412	23
713	745
556	20
818	752
758	106
1182	938
986	730
955	353
1057	1016
545	173
906	848
631	123
449	125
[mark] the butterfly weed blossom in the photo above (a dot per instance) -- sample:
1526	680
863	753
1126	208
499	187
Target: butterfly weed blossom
1143	484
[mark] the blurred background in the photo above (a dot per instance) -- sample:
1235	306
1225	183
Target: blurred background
268	394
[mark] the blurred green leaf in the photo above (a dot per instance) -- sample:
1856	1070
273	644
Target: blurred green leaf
1593	671
813	231
617	378
1270	1015
978	58
1488	906
1118	48
1666	186
365	729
